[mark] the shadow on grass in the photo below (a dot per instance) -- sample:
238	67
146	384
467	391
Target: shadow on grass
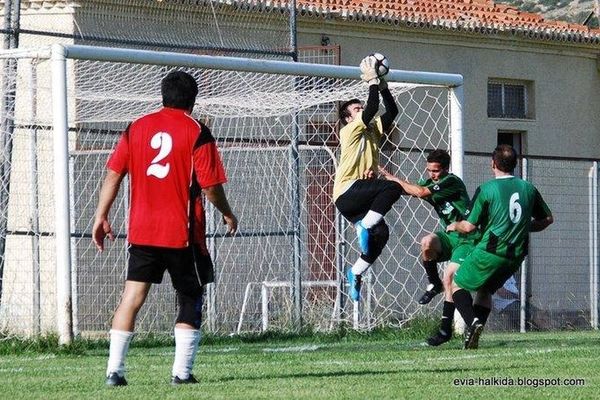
361	373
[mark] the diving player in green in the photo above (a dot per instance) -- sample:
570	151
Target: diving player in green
448	195
505	209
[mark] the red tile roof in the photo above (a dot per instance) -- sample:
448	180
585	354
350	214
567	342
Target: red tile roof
479	16
482	16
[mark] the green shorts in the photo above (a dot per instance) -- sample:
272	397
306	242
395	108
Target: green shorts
455	246
481	268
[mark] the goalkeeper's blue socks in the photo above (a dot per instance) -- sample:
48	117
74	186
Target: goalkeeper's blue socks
371	219
354	284
362	233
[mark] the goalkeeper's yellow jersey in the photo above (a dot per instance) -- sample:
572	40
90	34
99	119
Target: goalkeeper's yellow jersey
359	152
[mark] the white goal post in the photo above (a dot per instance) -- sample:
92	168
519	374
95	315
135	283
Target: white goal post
288	107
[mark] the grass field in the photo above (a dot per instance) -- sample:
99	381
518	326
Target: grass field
353	366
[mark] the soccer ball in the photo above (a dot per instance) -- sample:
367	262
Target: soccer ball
382	65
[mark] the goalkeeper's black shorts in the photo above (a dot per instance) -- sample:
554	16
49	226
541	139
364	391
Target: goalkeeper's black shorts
368	194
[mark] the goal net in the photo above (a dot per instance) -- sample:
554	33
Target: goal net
278	136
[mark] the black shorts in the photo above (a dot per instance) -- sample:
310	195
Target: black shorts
188	268
368	194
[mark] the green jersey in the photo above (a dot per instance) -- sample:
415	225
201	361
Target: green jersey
449	198
503	209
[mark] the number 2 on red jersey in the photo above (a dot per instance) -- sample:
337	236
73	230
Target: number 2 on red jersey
163	142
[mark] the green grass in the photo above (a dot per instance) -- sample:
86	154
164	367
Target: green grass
343	365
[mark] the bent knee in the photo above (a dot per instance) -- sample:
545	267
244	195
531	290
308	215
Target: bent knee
447	281
449	273
428	243
378	238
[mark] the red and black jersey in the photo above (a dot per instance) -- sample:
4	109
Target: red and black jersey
164	153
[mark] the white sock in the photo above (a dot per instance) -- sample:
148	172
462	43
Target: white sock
371	219
119	345
360	266
186	346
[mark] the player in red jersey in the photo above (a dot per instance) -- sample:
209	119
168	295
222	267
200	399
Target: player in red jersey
171	159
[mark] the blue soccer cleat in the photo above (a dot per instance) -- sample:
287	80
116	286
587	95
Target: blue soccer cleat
363	237
354	281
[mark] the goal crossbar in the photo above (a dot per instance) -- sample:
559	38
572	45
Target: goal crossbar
81	52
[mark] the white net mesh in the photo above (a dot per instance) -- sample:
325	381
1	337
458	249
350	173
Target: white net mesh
240	27
282	195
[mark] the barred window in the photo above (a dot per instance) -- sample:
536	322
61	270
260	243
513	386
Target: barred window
507	100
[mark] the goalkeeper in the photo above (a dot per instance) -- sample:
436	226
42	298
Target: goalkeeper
448	195
360	199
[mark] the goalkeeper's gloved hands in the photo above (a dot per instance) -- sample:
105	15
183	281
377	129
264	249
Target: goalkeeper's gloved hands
369	74
382	84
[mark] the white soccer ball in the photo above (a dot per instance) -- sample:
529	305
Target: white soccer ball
382	65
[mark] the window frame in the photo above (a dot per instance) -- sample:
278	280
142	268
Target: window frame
527	87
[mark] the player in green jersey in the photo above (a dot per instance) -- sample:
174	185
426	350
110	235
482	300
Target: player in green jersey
505	209
448	196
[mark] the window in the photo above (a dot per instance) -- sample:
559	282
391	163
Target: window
508	99
514	139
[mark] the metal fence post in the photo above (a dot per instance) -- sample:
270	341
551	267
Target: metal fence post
525	271
593	242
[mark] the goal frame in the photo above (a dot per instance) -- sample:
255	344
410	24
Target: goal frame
61	53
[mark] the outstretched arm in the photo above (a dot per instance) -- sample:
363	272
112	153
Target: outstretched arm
372	105
108	193
409	188
369	75
391	108
461	227
216	195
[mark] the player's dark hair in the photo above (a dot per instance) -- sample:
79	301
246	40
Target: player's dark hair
344	112
439	156
505	158
179	90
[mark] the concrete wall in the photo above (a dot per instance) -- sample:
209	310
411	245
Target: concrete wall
33	120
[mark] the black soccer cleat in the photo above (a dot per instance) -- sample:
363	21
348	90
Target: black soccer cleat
472	335
114	379
439	338
430	293
178	381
